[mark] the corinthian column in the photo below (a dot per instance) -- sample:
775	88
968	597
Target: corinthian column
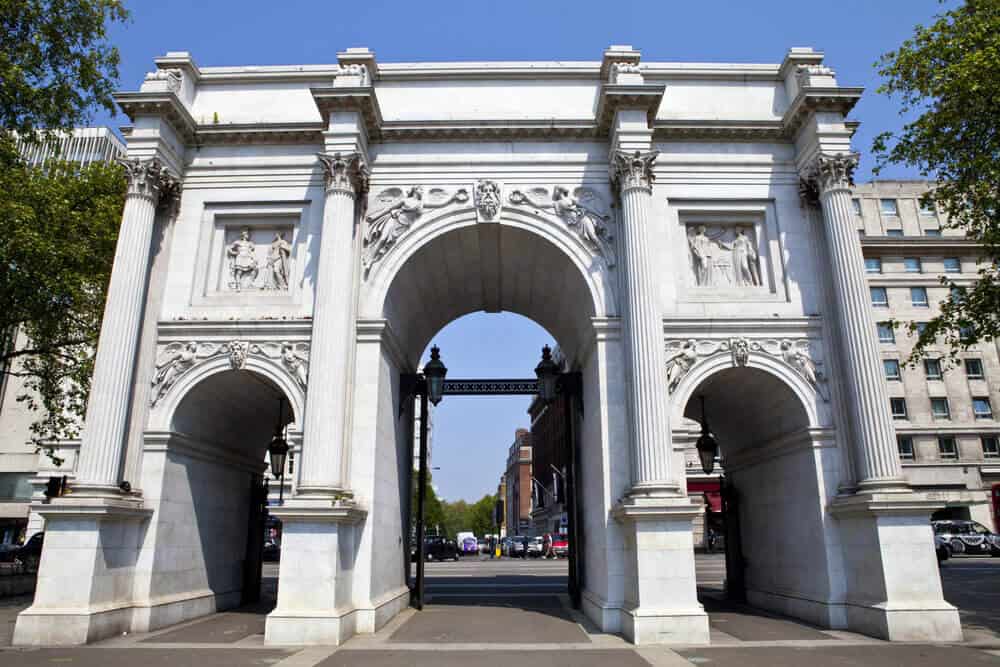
867	397
643	329
332	330
105	428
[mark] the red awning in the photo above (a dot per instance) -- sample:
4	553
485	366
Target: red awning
714	501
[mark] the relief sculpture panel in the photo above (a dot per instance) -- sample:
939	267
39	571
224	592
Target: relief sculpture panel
723	256
257	259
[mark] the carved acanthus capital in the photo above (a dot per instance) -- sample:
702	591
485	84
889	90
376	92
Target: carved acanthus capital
633	170
345	172
831	171
150	180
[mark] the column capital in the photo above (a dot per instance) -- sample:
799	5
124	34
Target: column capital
345	172
631	170
149	179
830	171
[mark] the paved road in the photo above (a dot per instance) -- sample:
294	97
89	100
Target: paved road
514	612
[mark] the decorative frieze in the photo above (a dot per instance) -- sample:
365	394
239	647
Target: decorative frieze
174	360
582	210
683	355
395	212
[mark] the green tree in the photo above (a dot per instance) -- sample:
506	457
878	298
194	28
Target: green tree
58	228
947	80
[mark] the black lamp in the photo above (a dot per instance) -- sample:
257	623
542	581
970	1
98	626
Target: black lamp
277	451
548	375
434	372
707	447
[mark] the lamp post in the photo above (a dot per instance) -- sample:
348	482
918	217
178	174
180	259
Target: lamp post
277	451
707	446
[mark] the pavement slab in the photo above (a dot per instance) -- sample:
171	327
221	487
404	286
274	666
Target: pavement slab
485	658
493	624
224	628
832	655
144	657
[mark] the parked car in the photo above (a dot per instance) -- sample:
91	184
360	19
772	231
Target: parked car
470	546
560	545
440	548
518	547
29	553
535	547
967	537
484	546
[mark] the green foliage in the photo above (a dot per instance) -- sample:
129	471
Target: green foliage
58	228
56	63
450	518
947	78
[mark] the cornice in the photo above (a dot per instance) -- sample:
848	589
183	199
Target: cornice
723	328
164	104
488	130
718	130
615	96
918	243
816	98
180	330
351	98
260	133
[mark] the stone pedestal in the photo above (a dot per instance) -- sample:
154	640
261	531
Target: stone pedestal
84	590
893	583
661	600
318	548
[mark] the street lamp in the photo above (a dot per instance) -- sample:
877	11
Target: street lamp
707	447
277	451
548	375
434	372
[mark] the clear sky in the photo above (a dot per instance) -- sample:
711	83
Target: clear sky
473	434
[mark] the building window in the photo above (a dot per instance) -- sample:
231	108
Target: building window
891	369
898	406
880	299
921	328
981	407
991	446
918	297
905	445
974	369
926	209
888	207
966	334
856	204
952	265
873	264
932	369
947	448
894	232
939	408
912	265
885	333
932	232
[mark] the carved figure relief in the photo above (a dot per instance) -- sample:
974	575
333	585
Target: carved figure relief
176	359
620	68
723	256
396	212
581	210
488	200
683	355
247	272
170	77
355	69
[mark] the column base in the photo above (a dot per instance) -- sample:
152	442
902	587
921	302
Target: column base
661	597
84	590
893	581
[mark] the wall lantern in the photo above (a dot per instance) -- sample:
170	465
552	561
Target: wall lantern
277	451
708	448
434	372
548	375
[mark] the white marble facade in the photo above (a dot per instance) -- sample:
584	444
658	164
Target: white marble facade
301	234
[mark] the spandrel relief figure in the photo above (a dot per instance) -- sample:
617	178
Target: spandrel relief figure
723	256
243	265
279	261
295	363
387	224
680	362
171	368
588	222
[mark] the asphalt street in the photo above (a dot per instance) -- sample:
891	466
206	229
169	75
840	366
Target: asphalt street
506	612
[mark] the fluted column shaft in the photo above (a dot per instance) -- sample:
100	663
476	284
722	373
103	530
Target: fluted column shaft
324	428
649	420
106	423
867	396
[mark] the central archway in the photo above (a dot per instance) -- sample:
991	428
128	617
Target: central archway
438	272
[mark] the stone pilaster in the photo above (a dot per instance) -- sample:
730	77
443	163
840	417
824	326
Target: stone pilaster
643	329
324	431
101	450
866	393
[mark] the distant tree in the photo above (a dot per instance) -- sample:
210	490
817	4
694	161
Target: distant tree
947	79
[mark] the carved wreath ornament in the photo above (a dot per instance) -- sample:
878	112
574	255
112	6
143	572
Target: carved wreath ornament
176	359
682	355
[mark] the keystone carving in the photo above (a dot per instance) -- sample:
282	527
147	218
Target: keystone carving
176	359
488	200
683	355
395	213
581	210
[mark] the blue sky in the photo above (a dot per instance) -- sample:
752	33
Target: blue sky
473	434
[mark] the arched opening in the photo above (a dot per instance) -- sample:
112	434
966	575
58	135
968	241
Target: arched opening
765	503
466	269
204	543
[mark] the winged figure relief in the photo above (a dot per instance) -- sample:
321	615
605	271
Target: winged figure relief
582	211
395	211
